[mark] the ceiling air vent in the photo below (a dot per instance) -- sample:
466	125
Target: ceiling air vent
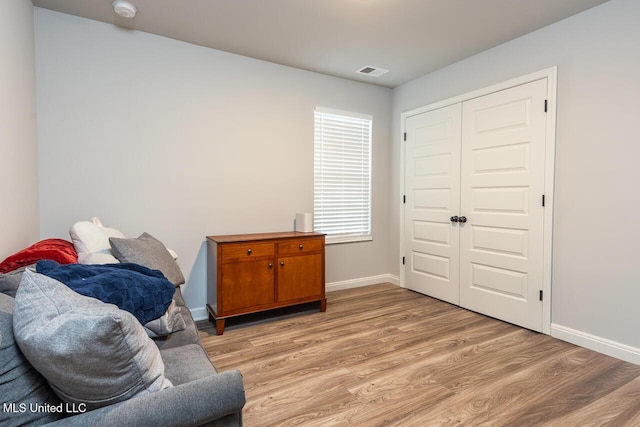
372	71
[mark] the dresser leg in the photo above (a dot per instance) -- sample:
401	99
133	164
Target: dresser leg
219	326
323	304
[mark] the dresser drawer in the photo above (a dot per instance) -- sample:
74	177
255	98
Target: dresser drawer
247	251
297	247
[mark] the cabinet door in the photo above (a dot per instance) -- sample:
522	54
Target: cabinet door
246	285
299	277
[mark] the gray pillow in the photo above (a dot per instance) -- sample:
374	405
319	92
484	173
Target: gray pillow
20	384
148	251
89	352
10	281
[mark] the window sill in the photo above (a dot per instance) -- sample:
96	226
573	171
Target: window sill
347	239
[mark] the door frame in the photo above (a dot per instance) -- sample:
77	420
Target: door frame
551	74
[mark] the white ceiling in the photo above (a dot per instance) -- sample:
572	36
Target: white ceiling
338	37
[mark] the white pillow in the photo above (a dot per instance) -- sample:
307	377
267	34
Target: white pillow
91	237
91	241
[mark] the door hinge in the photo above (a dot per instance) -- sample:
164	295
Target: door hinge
540	295
545	105
543	200
402	260
404	199
405	136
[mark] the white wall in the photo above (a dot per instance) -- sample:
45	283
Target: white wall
151	134
19	225
595	284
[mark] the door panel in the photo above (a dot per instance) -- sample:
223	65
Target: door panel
502	183
500	240
432	178
499	281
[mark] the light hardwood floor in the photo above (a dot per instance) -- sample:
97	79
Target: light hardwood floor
383	355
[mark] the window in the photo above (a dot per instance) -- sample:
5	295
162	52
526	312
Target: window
342	176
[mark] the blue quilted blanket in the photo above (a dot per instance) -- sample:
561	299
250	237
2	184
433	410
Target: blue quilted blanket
143	292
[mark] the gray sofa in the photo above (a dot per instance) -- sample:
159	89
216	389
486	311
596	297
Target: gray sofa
199	396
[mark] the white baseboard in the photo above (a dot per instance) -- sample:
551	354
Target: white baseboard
363	281
595	343
199	313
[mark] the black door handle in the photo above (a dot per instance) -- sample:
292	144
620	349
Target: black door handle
462	219
454	219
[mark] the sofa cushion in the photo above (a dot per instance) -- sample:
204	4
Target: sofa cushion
185	336
178	298
20	384
170	322
186	363
10	281
89	352
148	251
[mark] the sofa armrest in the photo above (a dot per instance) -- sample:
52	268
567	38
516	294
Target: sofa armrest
192	404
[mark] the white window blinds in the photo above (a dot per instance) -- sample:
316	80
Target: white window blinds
342	175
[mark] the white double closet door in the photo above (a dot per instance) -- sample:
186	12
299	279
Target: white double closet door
474	220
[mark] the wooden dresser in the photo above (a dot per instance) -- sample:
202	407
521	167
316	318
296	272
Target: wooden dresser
247	273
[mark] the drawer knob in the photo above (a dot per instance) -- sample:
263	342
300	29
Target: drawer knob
270	265
301	247
282	263
249	251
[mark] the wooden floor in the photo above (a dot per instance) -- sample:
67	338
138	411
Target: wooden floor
383	355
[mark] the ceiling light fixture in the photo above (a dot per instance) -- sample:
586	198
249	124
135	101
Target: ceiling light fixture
124	8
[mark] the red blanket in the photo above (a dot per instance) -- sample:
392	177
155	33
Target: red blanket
58	250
